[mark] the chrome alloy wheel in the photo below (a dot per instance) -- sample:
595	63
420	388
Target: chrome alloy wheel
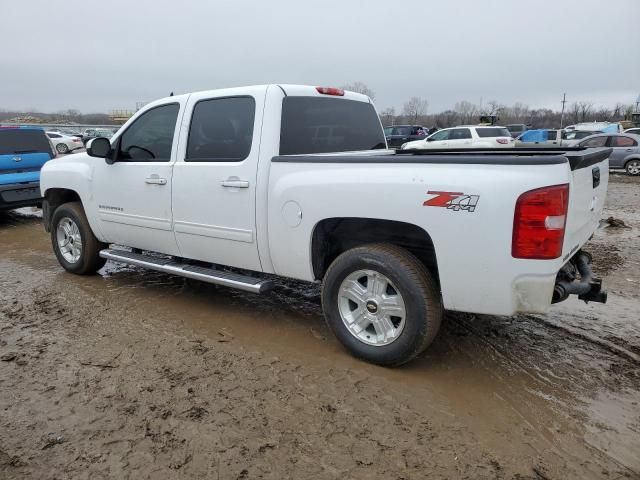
69	240
371	307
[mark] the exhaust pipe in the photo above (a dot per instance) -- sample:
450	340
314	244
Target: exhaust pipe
588	288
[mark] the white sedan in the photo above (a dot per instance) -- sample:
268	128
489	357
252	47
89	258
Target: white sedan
64	143
464	137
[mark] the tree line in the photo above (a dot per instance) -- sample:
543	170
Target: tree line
415	111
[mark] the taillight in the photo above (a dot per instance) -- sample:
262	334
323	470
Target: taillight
502	141
338	92
539	223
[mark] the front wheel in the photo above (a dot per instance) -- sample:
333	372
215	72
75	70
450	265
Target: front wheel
76	247
633	167
382	303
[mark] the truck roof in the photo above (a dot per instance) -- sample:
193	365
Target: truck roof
287	89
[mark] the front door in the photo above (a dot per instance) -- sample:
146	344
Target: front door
214	179
440	139
133	195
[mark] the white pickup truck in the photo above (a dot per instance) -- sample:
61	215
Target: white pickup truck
234	186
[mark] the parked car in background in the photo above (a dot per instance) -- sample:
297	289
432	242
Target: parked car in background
634	131
625	149
517	129
464	137
92	133
64	143
23	152
571	138
539	137
603	127
396	135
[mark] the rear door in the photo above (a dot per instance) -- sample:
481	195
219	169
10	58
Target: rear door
214	180
622	146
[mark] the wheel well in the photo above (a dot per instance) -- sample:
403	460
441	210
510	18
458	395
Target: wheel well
53	198
333	236
626	162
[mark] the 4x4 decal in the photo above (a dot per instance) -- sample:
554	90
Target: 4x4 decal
453	200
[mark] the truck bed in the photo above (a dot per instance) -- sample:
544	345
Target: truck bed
577	157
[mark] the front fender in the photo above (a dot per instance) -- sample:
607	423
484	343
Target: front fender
74	173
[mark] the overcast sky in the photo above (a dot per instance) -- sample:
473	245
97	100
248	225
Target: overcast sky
103	55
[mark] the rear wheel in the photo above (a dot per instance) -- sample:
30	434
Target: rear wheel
381	303
76	247
633	167
62	148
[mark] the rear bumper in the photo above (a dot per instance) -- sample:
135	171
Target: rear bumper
18	195
536	293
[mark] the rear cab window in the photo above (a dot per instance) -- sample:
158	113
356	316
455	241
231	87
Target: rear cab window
324	125
23	140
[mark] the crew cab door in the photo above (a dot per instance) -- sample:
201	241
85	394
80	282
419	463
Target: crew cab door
214	180
133	195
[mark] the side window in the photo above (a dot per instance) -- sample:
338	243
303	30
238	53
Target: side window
459	134
594	142
440	135
150	136
551	135
623	142
221	130
54	135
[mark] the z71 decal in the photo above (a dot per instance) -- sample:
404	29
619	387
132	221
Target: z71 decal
453	200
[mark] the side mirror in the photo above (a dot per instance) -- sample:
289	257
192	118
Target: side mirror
100	148
429	139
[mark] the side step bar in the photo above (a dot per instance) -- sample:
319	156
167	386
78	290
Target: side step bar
209	275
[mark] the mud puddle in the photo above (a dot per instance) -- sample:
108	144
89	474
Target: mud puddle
144	375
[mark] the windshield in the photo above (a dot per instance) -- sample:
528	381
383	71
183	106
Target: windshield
16	140
324	125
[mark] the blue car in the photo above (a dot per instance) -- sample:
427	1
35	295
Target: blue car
23	152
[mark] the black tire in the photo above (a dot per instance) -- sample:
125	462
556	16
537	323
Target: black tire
62	148
90	260
632	167
414	283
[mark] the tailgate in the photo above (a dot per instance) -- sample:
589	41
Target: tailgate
587	193
21	167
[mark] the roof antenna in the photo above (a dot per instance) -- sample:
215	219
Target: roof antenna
171	94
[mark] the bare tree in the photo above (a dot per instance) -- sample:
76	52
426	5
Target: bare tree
388	116
585	110
574	112
467	110
360	87
414	108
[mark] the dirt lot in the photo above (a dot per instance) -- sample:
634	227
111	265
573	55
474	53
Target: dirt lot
134	374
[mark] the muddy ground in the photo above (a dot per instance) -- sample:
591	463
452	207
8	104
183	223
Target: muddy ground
135	374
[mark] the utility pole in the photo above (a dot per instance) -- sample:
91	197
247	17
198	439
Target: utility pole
637	103
564	100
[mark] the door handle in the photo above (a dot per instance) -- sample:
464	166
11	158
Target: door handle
155	180
235	183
